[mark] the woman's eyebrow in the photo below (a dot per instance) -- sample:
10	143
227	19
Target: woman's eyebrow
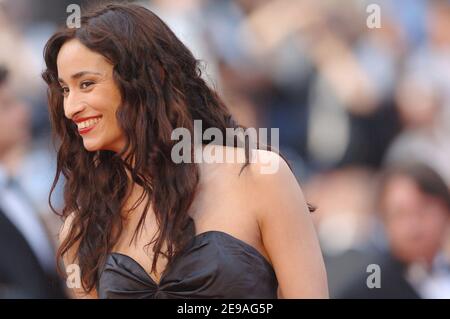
80	74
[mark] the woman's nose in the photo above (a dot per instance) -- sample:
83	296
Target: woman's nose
73	106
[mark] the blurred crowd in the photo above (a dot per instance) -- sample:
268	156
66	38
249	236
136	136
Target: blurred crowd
363	114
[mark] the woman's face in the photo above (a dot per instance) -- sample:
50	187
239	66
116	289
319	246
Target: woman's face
91	96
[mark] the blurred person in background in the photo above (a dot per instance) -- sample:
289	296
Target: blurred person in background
414	206
27	263
421	107
422	97
22	39
329	79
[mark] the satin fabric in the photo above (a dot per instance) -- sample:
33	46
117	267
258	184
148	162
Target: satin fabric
214	265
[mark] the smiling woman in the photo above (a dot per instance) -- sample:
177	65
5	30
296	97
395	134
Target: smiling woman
118	87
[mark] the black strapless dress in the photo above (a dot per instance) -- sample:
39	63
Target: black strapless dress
214	265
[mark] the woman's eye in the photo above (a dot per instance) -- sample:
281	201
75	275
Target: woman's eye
86	84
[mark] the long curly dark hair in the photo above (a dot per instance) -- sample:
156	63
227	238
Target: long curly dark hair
162	89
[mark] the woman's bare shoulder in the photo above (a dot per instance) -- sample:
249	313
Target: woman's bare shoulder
231	191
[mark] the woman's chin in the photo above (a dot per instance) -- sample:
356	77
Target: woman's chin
91	146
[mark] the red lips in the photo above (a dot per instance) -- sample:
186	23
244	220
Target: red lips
86	129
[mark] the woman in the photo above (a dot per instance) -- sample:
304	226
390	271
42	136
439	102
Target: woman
140	225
